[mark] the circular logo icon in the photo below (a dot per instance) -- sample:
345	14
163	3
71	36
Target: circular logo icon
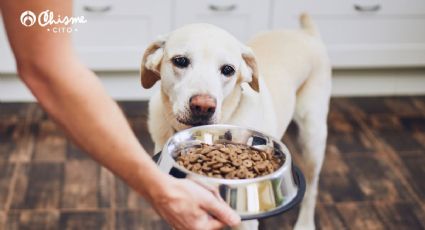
28	18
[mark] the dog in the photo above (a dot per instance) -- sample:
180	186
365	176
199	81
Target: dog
208	77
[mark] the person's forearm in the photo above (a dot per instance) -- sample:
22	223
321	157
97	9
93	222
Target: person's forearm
74	97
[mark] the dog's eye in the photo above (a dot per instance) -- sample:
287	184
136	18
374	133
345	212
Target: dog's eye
181	62
227	70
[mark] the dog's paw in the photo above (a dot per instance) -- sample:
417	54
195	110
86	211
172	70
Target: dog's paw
303	225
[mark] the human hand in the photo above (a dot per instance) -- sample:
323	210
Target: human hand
185	204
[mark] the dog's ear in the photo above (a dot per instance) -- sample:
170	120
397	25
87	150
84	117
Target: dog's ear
151	63
249	69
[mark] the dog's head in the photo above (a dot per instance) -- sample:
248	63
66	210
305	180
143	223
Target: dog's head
199	66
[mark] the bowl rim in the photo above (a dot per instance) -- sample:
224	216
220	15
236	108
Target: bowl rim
286	167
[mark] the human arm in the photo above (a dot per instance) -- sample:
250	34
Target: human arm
74	97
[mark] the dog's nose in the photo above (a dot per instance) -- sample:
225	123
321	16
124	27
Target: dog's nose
202	105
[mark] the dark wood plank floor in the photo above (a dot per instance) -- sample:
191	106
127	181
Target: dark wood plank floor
373	176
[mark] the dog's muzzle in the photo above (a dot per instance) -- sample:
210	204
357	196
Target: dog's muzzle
202	108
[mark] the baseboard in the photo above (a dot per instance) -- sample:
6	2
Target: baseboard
126	85
378	82
119	85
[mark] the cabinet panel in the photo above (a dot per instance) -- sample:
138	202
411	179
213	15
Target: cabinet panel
242	18
390	36
7	61
117	32
352	7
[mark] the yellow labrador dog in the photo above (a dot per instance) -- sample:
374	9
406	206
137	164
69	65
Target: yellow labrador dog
207	77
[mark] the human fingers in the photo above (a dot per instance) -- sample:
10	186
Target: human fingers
221	211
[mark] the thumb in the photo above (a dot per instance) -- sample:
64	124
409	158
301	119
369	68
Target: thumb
221	211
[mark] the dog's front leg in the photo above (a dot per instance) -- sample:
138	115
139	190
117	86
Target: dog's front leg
313	133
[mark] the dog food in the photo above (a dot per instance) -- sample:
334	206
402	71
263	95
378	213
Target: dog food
230	161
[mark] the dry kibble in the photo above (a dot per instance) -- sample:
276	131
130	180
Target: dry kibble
241	174
230	161
256	157
216	171
193	158
226	169
205	150
231	175
262	166
225	156
219	145
196	167
237	162
247	163
214	153
206	168
270	168
217	165
264	155
221	159
250	175
244	156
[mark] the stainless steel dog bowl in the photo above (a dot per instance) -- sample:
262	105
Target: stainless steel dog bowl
251	198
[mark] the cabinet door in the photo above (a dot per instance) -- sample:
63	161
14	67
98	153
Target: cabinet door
117	32
242	18
7	60
359	33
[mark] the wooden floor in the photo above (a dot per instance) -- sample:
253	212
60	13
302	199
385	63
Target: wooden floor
373	176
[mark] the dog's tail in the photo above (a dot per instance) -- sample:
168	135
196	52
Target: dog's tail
308	25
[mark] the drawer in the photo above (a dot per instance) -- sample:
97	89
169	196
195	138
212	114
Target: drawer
391	36
242	18
117	32
121	7
354	7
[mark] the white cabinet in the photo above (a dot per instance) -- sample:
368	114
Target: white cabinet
117	32
115	35
358	33
375	33
7	61
242	18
